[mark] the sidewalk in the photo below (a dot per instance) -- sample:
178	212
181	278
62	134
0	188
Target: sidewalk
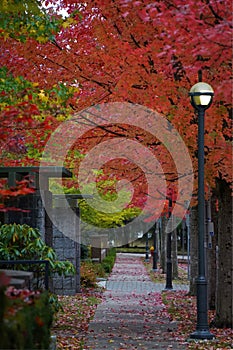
132	315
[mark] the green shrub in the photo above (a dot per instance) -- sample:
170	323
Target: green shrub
107	267
84	252
22	242
87	274
89	271
109	260
99	270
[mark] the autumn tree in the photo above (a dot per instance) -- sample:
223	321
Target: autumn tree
145	53
114	62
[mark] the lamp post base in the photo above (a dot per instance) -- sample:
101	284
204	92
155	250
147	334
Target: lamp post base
201	334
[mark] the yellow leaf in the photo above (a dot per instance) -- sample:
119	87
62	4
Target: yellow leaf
41	39
5	35
68	22
60	118
42	96
4	4
65	24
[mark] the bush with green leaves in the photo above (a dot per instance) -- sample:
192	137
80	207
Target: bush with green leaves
89	270
22	242
87	275
109	260
85	252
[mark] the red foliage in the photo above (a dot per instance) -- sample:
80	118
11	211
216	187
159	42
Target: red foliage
141	52
22	188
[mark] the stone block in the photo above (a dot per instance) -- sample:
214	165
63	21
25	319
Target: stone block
69	243
70	292
67	283
59	291
60	253
59	243
57	233
70	254
57	283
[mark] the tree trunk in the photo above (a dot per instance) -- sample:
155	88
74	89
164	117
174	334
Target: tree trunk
193	250
224	301
158	241
174	255
163	253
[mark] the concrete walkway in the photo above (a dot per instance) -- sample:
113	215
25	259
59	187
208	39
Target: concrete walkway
132	315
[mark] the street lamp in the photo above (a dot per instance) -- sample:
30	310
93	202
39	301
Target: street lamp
201	95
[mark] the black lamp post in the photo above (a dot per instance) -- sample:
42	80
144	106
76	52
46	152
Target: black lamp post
201	95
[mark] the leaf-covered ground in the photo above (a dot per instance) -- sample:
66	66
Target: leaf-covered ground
182	308
71	324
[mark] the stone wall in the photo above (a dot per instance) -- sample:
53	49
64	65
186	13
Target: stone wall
67	248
